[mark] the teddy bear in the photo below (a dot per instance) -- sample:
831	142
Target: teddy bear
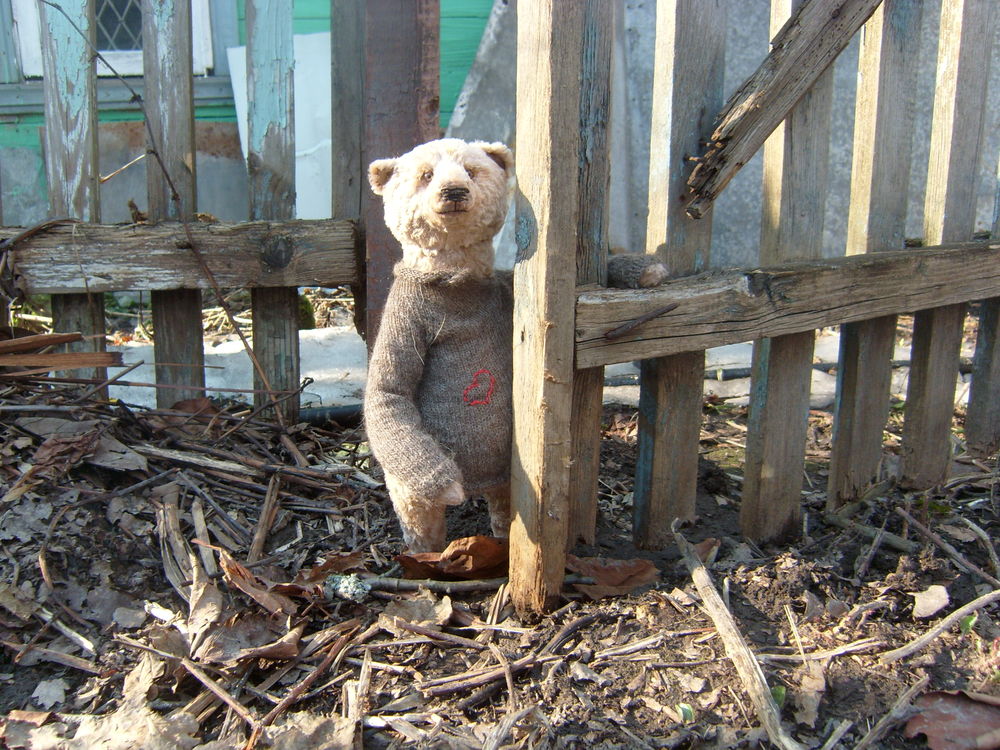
438	397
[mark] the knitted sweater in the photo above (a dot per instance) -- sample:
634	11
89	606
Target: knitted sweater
438	399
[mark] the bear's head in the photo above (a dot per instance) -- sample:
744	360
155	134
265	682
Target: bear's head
445	200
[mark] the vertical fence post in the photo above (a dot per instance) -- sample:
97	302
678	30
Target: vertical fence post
687	93
591	258
966	32
169	101
982	418
271	168
795	177
347	76
401	110
70	139
883	123
549	46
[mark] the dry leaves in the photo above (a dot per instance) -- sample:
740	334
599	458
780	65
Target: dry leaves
467	559
611	577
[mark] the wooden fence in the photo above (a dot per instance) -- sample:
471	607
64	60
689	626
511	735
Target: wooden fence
567	327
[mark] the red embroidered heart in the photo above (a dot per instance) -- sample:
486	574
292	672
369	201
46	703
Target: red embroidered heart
469	395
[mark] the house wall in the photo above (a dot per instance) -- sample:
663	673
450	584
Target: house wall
222	180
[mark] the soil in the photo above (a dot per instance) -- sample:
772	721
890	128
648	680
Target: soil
645	668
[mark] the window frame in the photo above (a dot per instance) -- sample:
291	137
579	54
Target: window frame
26	35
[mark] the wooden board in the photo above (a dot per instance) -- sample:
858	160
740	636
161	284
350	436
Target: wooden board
796	159
549	32
171	188
687	90
883	125
591	258
803	48
71	164
960	98
401	100
728	307
155	256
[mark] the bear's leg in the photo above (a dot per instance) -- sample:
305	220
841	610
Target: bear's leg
421	518
498	500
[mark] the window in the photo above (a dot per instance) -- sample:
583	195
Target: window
119	36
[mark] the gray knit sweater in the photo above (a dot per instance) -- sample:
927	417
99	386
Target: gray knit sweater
438	399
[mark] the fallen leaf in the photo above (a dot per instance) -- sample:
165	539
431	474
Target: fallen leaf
49	693
467	559
707	550
335	562
930	601
814	607
131	726
956	721
421	609
812	685
283	649
241	578
611	577
309	731
580	672
960	533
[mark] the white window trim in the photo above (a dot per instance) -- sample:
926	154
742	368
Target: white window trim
27	32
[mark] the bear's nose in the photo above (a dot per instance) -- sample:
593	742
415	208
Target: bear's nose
455	194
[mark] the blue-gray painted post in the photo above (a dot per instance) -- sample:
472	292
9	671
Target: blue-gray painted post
70	140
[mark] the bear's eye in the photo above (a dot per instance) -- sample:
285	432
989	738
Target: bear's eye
427	176
471	171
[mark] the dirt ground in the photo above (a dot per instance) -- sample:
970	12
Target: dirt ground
120	631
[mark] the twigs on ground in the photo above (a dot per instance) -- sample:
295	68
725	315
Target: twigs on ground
896	714
953	553
916	645
743	659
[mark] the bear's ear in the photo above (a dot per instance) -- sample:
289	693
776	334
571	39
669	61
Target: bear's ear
379	173
499	153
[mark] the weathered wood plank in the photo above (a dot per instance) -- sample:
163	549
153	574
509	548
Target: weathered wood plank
804	47
728	307
401	102
591	258
171	188
687	89
883	125
549	33
347	76
71	166
982	419
796	159
152	256
960	96
271	167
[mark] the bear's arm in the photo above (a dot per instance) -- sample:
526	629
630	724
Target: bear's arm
395	430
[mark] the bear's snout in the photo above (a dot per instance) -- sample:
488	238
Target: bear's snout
454	194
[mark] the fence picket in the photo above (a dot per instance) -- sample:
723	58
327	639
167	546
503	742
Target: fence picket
591	258
271	167
70	141
795	176
982	418
883	125
169	102
966	31
687	92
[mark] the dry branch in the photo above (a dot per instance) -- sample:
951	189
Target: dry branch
917	644
808	43
743	659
